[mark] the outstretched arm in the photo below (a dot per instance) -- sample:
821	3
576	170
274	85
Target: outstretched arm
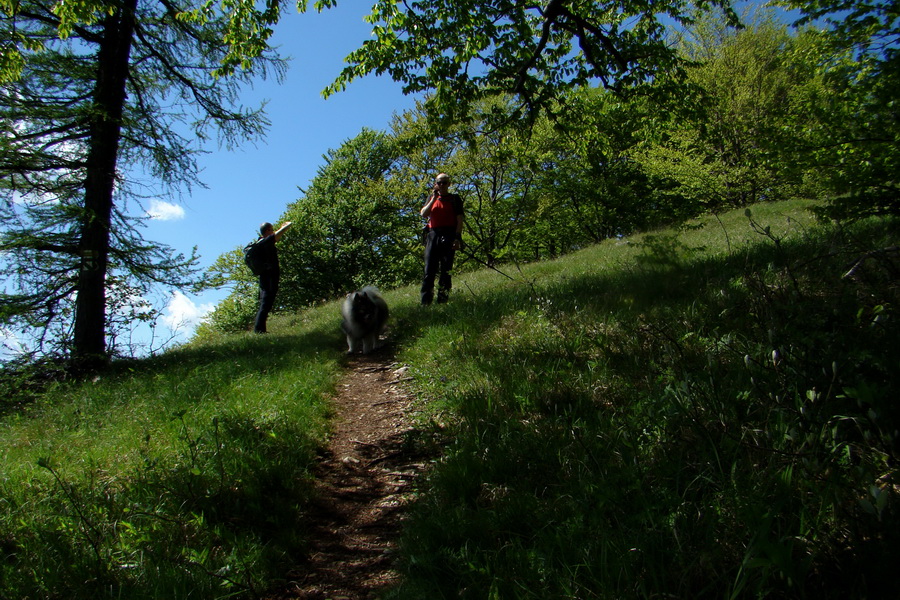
284	227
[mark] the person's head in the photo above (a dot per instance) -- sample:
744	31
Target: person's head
266	229
442	181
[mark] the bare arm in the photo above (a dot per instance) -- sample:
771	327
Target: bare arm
284	227
426	210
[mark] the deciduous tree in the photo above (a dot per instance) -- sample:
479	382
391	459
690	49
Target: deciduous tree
738	149
462	50
856	150
349	231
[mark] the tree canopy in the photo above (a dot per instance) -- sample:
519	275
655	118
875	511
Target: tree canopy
462	51
858	59
774	117
94	85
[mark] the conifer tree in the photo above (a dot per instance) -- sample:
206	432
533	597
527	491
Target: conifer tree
100	111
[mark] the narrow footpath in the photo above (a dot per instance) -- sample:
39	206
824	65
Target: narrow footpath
364	481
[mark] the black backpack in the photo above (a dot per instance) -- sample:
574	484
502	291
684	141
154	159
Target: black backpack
253	257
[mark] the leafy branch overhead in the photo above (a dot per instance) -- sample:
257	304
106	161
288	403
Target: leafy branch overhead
461	51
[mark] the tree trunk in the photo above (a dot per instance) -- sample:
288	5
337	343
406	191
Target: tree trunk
89	343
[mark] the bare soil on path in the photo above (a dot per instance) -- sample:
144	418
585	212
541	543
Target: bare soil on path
364	480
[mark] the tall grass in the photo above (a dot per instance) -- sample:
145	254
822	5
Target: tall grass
173	477
698	413
705	412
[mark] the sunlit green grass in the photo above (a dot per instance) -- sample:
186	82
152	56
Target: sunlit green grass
179	475
699	412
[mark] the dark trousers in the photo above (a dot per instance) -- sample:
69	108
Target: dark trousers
268	288
439	255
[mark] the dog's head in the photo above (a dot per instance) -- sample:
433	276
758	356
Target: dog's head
364	308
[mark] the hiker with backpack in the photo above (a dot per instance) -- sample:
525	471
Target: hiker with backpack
262	258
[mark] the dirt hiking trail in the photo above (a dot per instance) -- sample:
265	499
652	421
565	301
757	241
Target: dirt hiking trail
364	480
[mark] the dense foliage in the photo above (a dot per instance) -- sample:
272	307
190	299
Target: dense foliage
465	51
769	106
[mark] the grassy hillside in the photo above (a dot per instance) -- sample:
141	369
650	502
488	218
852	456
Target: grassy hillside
702	412
179	476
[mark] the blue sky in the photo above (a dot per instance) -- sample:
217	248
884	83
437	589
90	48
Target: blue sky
256	183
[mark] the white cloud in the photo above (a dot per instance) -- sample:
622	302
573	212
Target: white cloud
165	211
182	312
11	344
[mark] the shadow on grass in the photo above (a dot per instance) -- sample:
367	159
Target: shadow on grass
605	419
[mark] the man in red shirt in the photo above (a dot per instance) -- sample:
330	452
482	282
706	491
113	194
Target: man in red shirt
444	212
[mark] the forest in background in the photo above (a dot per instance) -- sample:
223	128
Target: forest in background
562	124
773	113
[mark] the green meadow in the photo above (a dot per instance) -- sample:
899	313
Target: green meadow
707	411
